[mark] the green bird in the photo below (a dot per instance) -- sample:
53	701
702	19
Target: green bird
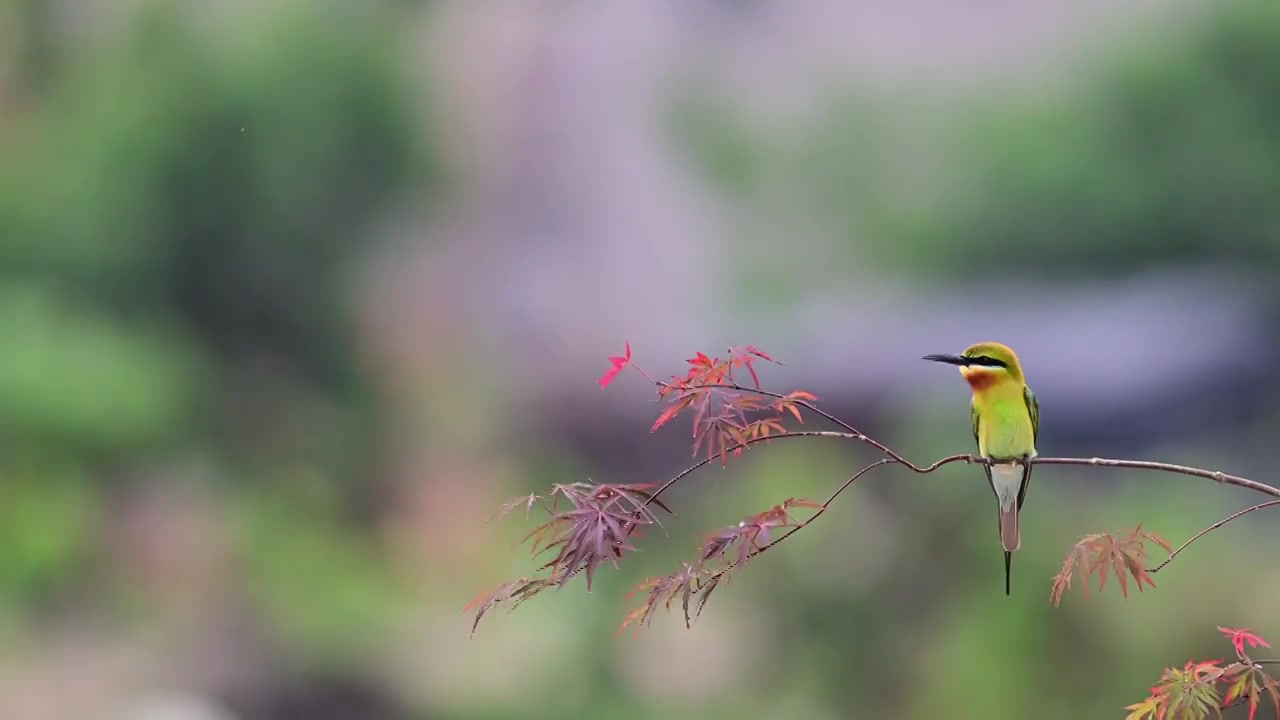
1006	421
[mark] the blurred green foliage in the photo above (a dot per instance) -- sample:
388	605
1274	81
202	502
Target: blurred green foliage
1162	148
182	203
1170	154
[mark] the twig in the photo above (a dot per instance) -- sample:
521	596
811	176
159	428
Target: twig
1210	529
851	430
1215	475
752	441
823	508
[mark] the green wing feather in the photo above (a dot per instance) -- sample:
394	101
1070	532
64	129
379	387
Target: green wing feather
1033	409
973	421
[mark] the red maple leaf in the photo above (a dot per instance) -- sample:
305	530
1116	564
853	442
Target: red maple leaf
752	534
1240	636
1191	692
744	356
619	362
705	370
788	403
1104	554
675	408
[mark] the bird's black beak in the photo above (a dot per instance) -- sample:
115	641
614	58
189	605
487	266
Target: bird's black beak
948	359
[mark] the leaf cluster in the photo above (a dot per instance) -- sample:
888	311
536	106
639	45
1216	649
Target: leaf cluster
1200	689
587	524
720	552
1103	554
721	407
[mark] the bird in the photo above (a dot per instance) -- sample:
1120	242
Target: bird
1005	417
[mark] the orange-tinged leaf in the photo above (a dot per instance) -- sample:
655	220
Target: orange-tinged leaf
664	591
748	350
744	357
1204	670
700	360
794	411
675	408
1145	710
1104	554
1153	537
1272	687
763	427
1236	687
1118	565
1101	564
1070	567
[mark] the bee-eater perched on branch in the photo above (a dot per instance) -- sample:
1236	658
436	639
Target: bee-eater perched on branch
1006	420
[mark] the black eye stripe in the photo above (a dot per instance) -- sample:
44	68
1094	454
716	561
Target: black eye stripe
985	361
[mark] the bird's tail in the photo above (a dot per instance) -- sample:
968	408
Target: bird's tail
1010	538
1008	556
1008	481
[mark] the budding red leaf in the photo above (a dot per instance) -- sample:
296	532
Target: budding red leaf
618	362
1240	636
791	402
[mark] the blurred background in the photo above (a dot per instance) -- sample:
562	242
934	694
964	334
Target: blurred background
294	295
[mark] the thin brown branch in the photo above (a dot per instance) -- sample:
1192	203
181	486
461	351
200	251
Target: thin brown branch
826	504
1210	529
853	432
752	441
1215	475
925	469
